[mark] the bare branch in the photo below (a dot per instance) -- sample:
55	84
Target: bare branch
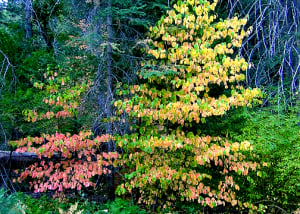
273	46
6	64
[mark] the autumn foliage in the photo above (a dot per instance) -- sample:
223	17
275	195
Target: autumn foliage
62	96
79	161
67	162
193	73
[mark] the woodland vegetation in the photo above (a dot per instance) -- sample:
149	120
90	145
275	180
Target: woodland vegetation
163	106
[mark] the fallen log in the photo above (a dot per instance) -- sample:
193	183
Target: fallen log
18	160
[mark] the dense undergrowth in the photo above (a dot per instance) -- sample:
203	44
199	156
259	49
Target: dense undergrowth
19	203
276	139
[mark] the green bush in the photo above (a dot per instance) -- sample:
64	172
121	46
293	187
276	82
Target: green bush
10	204
123	207
276	140
47	205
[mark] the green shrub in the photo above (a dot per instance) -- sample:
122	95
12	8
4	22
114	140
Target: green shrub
276	140
47	205
122	206
10	204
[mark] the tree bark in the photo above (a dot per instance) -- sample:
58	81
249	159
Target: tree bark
109	127
109	68
28	14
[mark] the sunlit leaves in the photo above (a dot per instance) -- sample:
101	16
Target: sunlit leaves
169	164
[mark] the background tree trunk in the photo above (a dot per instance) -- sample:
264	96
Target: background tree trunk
109	128
28	15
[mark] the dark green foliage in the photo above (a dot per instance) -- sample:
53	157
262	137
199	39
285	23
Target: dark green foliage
34	66
232	122
47	205
42	205
46	14
8	44
122	206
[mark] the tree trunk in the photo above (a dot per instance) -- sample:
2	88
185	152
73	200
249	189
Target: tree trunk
18	160
109	128
28	14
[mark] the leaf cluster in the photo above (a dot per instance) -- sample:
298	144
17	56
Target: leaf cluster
77	161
